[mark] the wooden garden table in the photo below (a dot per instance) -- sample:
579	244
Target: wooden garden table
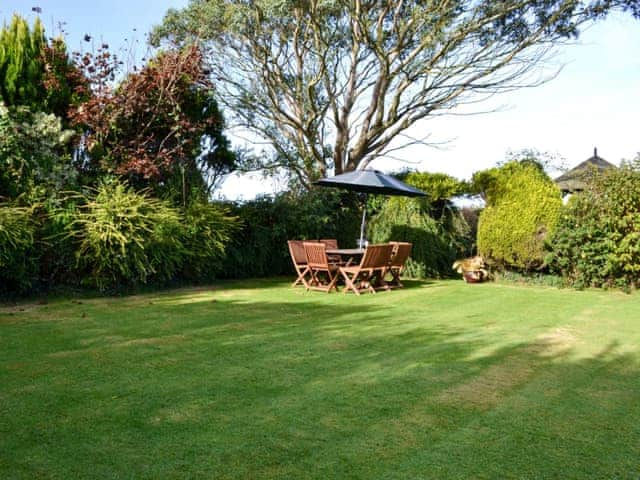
346	253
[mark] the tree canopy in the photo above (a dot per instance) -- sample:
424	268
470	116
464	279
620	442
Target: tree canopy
335	84
159	127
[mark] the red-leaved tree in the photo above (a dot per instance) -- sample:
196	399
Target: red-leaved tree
159	127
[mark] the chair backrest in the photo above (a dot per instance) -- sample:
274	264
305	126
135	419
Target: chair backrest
330	242
316	254
376	256
402	250
296	249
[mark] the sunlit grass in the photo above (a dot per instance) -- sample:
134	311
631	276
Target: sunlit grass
258	380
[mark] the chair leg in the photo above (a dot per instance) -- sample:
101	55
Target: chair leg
301	277
334	281
395	280
314	281
380	282
348	283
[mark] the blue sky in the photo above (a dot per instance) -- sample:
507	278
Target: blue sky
594	101
110	21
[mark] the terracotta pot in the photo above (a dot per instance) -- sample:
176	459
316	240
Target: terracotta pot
473	276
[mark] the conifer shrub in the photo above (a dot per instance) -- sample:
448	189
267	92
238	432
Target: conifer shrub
522	210
22	62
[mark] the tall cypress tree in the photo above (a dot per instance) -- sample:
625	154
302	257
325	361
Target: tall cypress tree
38	73
22	63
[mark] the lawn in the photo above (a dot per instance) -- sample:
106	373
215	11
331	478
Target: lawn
257	380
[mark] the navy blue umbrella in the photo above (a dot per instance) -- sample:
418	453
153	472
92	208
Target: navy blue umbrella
370	181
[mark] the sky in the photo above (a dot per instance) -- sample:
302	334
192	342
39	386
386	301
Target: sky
594	102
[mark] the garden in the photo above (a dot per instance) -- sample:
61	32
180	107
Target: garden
148	330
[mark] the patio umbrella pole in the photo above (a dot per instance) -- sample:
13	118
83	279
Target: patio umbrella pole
364	213
369	181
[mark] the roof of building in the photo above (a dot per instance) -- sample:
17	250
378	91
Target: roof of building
574	179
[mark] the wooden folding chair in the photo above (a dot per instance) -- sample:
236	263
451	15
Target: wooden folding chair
332	243
401	252
299	258
320	267
369	274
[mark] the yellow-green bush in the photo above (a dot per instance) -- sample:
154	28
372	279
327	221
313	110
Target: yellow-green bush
17	262
208	229
522	211
125	237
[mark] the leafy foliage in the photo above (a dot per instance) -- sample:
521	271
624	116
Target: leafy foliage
208	229
260	248
160	128
63	82
597	242
17	238
522	210
125	237
32	153
56	248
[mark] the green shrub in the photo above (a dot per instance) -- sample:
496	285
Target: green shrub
208	229
471	216
260	247
56	249
522	210
597	242
437	229
31	153
436	243
125	238
18	263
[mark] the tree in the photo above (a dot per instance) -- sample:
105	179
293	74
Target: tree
21	63
336	84
63	82
160	127
38	73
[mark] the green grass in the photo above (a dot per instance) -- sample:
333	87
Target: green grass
257	380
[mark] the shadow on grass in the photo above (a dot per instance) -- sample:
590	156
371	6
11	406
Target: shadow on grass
285	384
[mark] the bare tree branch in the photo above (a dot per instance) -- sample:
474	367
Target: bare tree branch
334	84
